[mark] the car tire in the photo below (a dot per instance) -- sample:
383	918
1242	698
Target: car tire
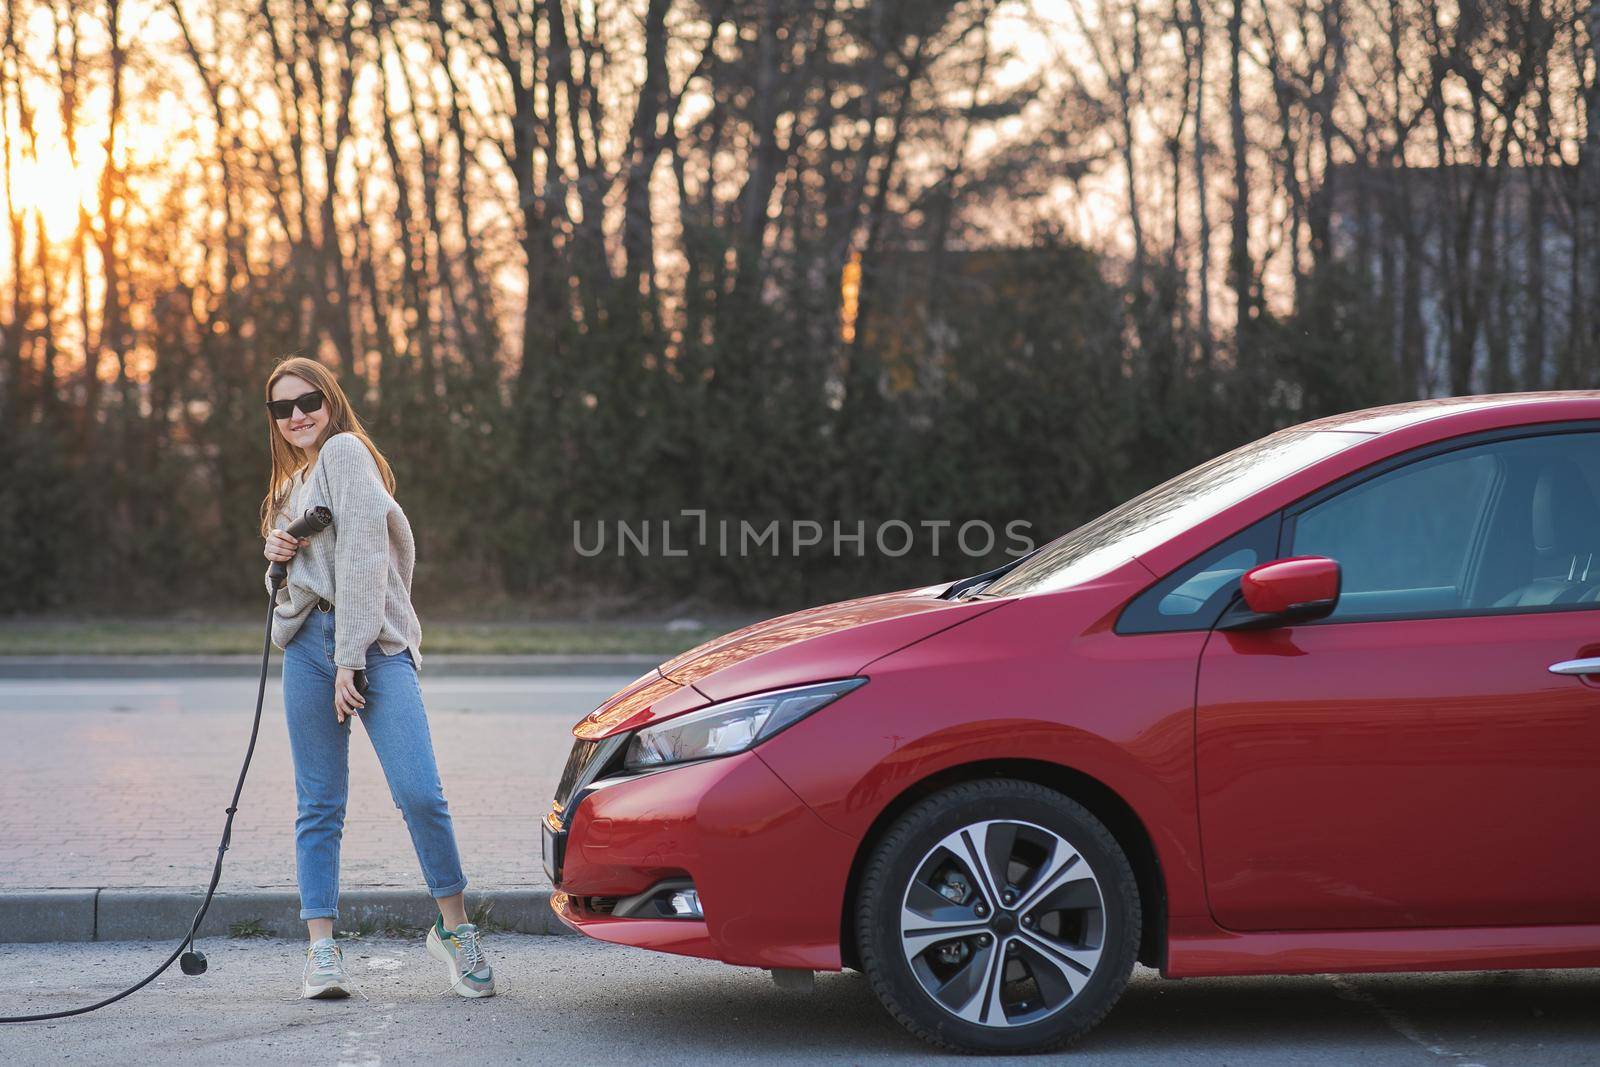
1034	973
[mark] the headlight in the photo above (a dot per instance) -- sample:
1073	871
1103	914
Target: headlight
729	727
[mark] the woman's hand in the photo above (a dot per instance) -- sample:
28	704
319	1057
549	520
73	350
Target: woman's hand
347	699
280	547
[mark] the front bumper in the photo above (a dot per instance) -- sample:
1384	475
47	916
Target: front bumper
771	875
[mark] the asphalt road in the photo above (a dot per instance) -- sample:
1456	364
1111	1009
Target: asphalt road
572	1001
122	782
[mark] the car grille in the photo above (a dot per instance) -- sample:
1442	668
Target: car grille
578	760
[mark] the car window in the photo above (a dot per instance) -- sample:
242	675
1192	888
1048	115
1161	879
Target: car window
1194	596
1158	515
1509	525
1191	596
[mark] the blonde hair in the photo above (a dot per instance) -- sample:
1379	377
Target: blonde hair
289	460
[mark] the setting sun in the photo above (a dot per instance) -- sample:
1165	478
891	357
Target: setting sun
53	188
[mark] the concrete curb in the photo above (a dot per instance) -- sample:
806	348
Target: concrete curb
435	665
165	914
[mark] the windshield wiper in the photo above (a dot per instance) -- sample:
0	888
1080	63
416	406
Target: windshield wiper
975	585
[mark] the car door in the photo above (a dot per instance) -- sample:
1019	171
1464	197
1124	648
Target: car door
1412	760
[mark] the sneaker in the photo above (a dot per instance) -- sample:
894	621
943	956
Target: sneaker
470	973
324	975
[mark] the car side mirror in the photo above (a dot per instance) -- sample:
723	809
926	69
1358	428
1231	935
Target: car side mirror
1284	592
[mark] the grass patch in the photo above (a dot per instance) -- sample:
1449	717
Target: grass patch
248	928
89	637
483	918
373	928
364	928
402	931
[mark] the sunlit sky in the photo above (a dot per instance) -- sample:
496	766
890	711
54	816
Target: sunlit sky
1041	34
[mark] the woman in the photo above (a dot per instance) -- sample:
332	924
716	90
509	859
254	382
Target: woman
344	617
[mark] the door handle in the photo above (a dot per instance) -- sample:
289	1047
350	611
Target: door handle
1577	666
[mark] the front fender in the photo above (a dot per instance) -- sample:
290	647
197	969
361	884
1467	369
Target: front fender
1117	709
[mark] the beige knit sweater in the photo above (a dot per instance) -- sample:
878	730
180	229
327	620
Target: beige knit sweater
362	564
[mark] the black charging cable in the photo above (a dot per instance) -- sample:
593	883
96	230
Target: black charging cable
192	960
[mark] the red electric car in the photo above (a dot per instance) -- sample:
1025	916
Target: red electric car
1330	702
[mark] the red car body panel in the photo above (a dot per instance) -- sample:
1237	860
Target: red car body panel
1375	775
1221	952
995	689
832	641
682	937
644	701
698	820
1395	795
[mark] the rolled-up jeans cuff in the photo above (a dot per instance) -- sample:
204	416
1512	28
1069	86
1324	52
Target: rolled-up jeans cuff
449	890
319	913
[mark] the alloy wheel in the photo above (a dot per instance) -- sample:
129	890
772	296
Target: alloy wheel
1003	923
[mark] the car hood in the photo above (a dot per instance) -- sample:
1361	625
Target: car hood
814	645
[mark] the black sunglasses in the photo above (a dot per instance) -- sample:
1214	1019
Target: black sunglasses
306	402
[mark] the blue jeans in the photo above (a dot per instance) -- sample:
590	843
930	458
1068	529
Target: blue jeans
396	722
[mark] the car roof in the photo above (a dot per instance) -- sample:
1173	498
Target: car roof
1399	416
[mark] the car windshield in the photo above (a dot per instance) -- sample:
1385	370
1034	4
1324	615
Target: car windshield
1133	528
